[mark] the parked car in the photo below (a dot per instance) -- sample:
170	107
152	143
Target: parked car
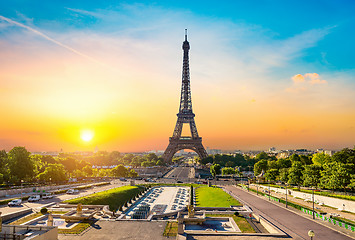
123	179
179	181
15	202
72	191
47	195
34	198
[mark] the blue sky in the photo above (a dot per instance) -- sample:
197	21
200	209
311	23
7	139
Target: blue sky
259	58
281	19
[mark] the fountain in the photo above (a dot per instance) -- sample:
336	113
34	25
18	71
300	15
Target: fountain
79	214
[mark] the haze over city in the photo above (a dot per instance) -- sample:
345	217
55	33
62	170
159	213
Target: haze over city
76	75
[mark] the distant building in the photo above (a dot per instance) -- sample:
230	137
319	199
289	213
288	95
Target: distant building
213	151
272	150
329	152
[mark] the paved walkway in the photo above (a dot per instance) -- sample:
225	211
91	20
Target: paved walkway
323	208
112	230
295	225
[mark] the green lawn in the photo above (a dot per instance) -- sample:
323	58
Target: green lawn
171	229
115	197
213	197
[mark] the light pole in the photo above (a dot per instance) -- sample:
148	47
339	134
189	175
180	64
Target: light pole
313	201
269	190
311	234
286	194
21	188
257	188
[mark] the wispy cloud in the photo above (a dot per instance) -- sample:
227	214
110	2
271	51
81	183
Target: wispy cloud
50	39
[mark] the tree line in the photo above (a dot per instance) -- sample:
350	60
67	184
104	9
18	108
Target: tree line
318	170
19	165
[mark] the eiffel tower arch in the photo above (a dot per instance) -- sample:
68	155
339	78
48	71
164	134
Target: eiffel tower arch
185	116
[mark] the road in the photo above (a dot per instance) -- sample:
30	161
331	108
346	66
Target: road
293	224
4	209
179	173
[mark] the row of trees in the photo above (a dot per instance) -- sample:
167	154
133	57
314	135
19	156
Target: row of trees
19	165
318	170
104	158
216	169
243	162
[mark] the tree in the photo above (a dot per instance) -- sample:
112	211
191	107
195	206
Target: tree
261	156
206	160
294	158
271	174
229	164
328	179
306	160
228	171
320	159
119	171
160	162
215	169
48	159
53	172
259	166
312	175
132	173
20	165
69	163
114	157
284	175
87	170
284	163
151	157
295	174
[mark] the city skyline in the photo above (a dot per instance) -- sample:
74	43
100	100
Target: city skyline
74	76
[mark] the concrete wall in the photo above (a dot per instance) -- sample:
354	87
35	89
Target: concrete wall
9	216
44	233
266	224
4	193
340	204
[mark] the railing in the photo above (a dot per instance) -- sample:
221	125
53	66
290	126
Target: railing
9	236
331	220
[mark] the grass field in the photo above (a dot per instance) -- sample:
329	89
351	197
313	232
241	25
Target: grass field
213	197
79	228
114	197
171	229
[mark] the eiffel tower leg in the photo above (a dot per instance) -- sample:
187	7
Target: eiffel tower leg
200	150
169	152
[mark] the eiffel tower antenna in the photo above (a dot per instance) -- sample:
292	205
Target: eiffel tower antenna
185	115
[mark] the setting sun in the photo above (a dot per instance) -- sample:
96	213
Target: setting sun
87	135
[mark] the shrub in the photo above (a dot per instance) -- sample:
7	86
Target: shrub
44	210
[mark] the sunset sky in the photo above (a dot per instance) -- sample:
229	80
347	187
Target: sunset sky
79	74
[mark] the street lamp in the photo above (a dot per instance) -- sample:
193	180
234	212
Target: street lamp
269	190
311	234
257	188
21	188
286	194
313	201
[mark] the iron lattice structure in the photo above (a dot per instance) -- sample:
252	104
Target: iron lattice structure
185	115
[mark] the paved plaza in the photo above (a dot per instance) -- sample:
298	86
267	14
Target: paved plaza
163	200
112	230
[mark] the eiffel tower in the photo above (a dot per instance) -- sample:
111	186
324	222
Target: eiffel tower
185	115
